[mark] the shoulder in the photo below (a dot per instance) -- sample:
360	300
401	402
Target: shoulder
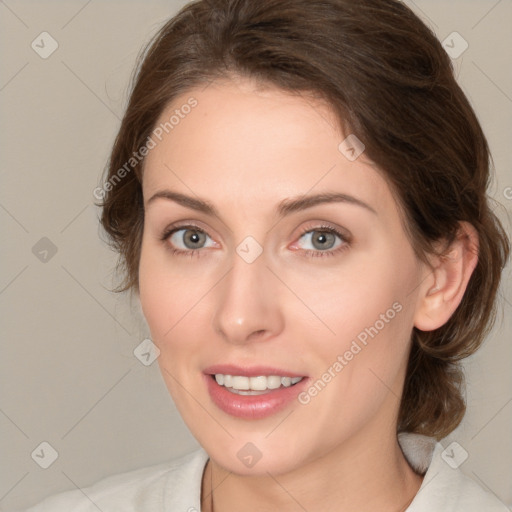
445	487
153	488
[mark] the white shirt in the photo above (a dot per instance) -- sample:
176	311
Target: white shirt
176	486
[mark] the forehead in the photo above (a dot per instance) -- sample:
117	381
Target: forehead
243	144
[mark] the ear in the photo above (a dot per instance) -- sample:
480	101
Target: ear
442	291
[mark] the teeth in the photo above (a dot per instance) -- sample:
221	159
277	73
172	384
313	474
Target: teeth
241	383
261	383
273	382
286	382
258	383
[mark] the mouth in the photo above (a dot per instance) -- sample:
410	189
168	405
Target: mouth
253	386
253	393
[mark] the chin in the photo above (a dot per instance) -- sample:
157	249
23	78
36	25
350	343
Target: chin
263	461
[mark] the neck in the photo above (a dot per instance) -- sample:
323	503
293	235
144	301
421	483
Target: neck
365	474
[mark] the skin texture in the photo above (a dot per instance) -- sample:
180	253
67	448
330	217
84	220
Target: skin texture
245	149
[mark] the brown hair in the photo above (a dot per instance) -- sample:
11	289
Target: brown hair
387	77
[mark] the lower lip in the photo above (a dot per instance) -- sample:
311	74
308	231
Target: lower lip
253	407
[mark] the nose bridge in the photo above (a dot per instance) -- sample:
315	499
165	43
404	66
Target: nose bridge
247	305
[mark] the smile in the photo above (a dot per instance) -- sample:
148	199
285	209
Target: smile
252	393
242	385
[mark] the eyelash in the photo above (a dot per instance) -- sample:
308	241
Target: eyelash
308	252
325	229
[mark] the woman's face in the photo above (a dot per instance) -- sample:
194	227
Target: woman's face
248	286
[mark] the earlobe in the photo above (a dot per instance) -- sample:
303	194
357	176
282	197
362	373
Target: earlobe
442	292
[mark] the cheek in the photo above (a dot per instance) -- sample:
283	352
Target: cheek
164	305
167	295
362	295
369	311
154	299
358	374
369	346
174	304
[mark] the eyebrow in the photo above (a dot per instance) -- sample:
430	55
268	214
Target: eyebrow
285	207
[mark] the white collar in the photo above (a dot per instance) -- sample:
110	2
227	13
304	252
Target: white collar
444	488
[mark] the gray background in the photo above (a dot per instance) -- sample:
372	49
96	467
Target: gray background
69	375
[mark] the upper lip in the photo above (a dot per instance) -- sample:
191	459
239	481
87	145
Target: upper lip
249	371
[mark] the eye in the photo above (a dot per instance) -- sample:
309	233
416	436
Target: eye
186	240
325	241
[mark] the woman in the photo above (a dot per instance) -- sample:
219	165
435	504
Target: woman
298	196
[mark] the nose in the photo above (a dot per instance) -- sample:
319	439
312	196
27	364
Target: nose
247	305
